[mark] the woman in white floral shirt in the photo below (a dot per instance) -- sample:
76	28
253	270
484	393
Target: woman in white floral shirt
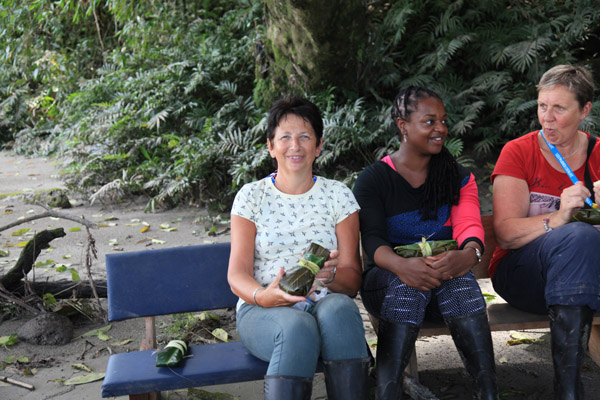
272	222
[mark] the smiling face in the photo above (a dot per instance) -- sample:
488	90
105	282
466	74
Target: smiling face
426	127
559	114
294	145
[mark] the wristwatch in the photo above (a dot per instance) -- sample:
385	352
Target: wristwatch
477	253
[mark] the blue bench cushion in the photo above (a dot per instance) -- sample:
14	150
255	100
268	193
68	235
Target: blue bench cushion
168	281
210	364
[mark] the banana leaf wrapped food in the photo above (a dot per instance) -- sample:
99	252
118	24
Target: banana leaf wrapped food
300	278
425	248
588	215
172	355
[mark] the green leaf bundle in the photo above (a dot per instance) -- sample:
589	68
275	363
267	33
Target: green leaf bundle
172	355
588	215
299	280
425	248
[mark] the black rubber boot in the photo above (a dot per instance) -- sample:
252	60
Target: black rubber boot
395	343
287	387
473	339
570	332
347	379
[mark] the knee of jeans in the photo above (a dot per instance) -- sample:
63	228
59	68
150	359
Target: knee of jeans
338	312
580	234
336	303
302	331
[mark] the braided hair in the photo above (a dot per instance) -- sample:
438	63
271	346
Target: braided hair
442	185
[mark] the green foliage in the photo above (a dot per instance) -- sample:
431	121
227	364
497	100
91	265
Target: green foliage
156	98
483	57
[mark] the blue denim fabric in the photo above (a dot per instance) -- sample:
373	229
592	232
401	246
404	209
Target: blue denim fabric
561	267
386	296
292	340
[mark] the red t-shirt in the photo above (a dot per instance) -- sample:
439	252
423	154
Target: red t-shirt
522	158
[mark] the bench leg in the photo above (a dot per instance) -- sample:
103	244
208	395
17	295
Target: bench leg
594	344
149	341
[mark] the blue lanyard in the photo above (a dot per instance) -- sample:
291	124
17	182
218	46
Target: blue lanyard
565	166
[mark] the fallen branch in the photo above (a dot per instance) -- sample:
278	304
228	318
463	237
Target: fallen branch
16	383
6	295
51	213
90	252
64	289
28	256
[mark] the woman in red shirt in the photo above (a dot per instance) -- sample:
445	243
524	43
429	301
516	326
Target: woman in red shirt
546	263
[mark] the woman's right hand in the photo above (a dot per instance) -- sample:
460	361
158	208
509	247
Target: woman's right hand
273	296
571	200
418	273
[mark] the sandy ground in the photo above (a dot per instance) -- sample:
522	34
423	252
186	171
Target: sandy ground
524	371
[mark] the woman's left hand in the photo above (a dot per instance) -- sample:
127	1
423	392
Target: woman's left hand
454	263
597	191
327	272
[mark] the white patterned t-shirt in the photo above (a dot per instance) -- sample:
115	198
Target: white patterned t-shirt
286	224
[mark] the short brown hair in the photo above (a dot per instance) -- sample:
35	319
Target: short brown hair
577	79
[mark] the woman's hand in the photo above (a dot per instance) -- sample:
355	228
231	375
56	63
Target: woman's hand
328	271
571	200
273	296
597	191
417	272
454	263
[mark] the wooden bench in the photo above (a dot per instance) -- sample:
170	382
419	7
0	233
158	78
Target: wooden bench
172	281
502	316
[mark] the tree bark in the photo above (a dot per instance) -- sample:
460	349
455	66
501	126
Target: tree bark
308	43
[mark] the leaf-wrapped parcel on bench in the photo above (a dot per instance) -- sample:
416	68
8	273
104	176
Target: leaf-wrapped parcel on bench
425	248
299	280
588	215
172	355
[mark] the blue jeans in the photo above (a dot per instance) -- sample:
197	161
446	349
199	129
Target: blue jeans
292	340
561	267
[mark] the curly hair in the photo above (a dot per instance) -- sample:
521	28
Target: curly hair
442	185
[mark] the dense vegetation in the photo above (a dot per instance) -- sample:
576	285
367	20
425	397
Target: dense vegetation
156	97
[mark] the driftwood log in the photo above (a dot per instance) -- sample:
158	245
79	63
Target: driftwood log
64	289
26	260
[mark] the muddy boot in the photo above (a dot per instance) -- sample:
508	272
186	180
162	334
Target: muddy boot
570	331
347	379
395	343
287	387
473	340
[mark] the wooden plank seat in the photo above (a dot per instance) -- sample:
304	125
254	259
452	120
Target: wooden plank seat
172	281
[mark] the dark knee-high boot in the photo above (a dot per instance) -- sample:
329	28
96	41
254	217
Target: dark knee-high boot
347	379
395	342
570	332
287	387
472	337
